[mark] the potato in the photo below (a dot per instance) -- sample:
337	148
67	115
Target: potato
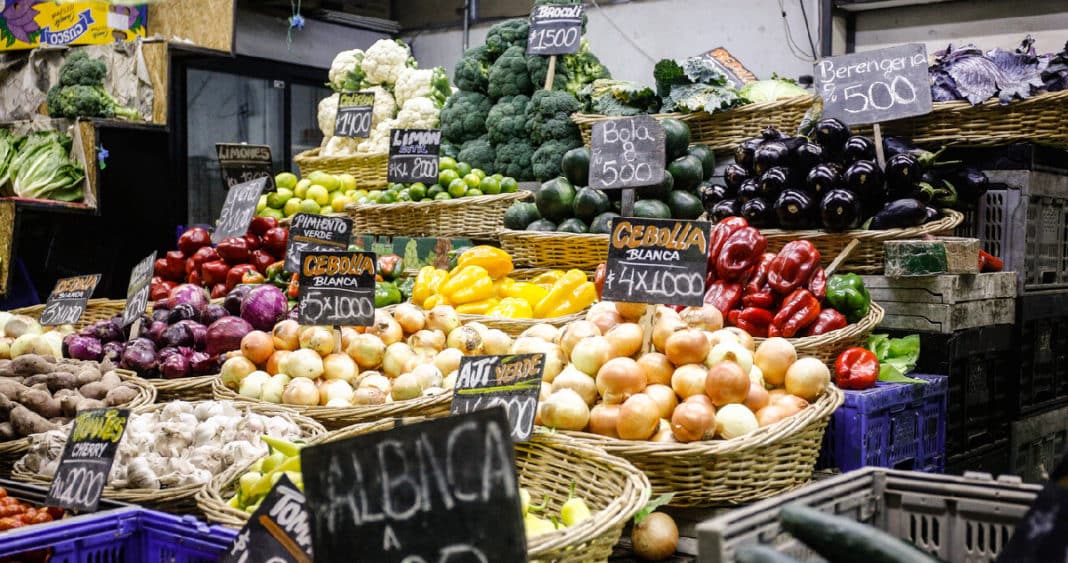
86	374
10	388
26	422
121	395
62	380
6	369
68	401
111	380
39	379
31	365
41	402
6	431
5	407
95	390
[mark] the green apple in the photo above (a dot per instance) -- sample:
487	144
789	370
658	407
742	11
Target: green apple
279	198
348	181
292	207
302	188
328	181
319	194
286	180
310	206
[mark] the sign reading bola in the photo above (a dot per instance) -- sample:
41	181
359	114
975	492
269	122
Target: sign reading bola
875	86
87	458
626	153
657	261
68	299
337	288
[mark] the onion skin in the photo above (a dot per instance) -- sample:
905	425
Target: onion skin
565	410
807	378
665	398
770	415
603	420
727	383
410	318
656	538
604	319
626	339
705	317
638	418
573	379
692	421
286	335
664	328
631	312
687	346
744	338
576	331
735	420
758	397
257	346
689	380
386	328
367	350
591	353
618	379
774	356
657	368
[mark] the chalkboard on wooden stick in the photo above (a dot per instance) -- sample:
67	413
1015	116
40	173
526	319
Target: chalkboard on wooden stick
627	153
337	288
87	458
657	261
413	155
138	289
875	86
309	232
513	382
238	210
555	29
241	163
278	531
354	111
68	299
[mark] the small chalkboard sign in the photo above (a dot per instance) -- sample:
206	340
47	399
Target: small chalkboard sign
67	301
657	261
875	86
627	153
555	29
413	155
354	111
278	531
86	462
237	210
138	289
337	288
513	382
736	73
440	490
311	233
241	163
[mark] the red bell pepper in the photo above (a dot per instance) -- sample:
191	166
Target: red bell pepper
829	320
764	299
740	254
194	278
175	265
252	277
720	233
193	239
759	280
262	259
989	263
724	296
252	241
159	290
793	266
218	290
190	268
260	225
234	250
799	310
755	321
159	268
856	368
817	285
274	241
214	272
204	254
598	278
236	274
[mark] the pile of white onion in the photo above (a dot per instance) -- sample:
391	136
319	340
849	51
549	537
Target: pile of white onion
699	380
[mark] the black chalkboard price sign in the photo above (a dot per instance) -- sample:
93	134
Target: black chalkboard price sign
657	261
67	301
627	153
87	459
555	29
337	288
875	86
444	490
309	233
354	110
513	382
238	209
278	531
138	289
413	155
241	163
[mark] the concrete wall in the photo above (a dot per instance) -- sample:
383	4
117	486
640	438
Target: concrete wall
751	29
315	45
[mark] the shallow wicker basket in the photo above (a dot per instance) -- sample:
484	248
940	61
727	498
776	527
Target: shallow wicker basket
478	217
370	171
722	131
196	388
761	464
827	346
181	500
547	465
554	250
339	417
13	450
95	310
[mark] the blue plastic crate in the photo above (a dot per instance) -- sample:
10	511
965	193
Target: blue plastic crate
894	425
121	536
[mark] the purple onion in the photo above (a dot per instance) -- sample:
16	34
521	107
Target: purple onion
225	335
204	364
82	347
182	312
233	300
213	313
200	333
155	331
175	366
189	294
179	334
113	351
140	359
264	306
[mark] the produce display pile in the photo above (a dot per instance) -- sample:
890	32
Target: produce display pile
965	72
39	166
80	91
456	179
17	513
318	193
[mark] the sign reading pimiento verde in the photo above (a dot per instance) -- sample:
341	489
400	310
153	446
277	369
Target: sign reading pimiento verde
138	289
555	29
626	153
513	382
238	209
657	261
354	111
87	458
278	531
337	288
241	163
875	86
413	155
308	233
67	301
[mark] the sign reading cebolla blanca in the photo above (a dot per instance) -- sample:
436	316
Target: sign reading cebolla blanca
238	209
278	531
444	490
627	153
67	301
354	111
241	163
513	382
555	29
413	155
875	86
87	458
309	233
657	261
337	288
138	289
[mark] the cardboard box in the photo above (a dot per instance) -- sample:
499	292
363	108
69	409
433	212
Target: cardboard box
34	24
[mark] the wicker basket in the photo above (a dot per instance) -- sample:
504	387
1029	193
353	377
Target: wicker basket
547	466
196	388
478	217
723	131
555	250
827	346
759	465
95	310
370	171
181	500
339	417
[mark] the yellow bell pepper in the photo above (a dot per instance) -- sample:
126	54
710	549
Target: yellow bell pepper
527	291
512	308
426	283
565	295
478	307
434	301
503	286
496	261
547	279
467	285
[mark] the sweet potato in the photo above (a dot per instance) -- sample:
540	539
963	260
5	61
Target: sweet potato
121	395
62	380
94	390
5	407
111	379
6	431
68	401
10	388
31	364
26	422
41	402
86	374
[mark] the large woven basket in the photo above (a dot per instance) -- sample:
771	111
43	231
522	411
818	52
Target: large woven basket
547	465
370	171
723	131
195	388
828	346
478	217
180	500
339	417
761	464
554	250
13	450
95	310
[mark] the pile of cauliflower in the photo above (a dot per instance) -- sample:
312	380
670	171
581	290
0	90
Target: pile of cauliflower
405	96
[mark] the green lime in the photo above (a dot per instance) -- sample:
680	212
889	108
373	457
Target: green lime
279	198
386	197
490	186
434	190
442	196
446	176
447	163
478	172
473	192
286	180
509	185
463	169
310	206
472	180
404	195
457	188
498	176
417	191
359	193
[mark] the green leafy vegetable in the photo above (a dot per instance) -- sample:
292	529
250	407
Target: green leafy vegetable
897	356
651	506
42	170
771	90
700	97
619	98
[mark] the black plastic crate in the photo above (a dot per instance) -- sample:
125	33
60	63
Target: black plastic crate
981	368
1038	442
1018	156
990	458
1042	343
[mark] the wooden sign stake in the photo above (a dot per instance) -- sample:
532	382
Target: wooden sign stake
627	206
551	73
877	132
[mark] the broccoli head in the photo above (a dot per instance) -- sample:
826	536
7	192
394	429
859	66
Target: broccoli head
78	68
508	75
546	103
448	149
472	70
546	160
478	153
464	116
583	68
538	69
513	159
505	35
507	120
80	100
549	116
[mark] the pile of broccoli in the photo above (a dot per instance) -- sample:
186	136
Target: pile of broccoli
80	91
502	118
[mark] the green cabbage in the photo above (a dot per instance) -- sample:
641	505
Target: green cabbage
771	90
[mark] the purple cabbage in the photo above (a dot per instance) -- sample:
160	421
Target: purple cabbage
203	363
233	300
189	294
175	366
968	73
1055	77
225	335
113	351
82	347
212	313
264	306
140	359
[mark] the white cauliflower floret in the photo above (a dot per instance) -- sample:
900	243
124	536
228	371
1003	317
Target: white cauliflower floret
378	142
418	113
383	62
328	115
346	72
430	83
339	146
385	106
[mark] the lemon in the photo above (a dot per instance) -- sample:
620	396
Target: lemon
328	181
286	180
319	194
302	188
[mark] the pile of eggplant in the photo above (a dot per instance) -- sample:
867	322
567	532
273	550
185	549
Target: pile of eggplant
831	180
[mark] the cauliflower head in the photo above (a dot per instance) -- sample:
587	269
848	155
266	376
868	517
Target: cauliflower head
418	113
430	83
378	142
339	146
327	114
346	73
385	106
383	61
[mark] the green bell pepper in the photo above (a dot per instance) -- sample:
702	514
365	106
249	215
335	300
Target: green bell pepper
386	293
406	286
847	294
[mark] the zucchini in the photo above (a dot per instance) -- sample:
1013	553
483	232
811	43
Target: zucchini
759	553
841	540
